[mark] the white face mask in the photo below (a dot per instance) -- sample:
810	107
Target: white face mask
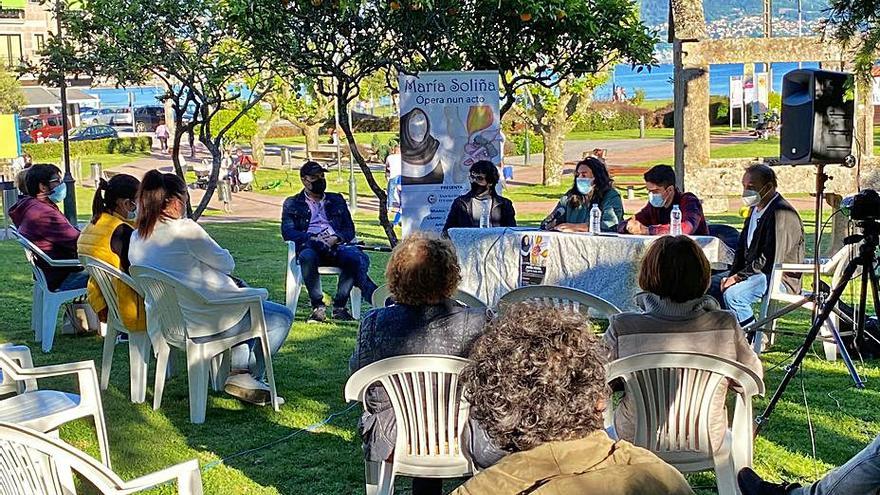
751	198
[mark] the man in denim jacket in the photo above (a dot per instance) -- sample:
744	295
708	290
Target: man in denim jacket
321	226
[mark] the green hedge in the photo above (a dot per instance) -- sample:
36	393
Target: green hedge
52	150
606	116
536	143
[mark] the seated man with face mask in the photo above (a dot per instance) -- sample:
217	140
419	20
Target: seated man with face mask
772	233
320	224
654	218
481	206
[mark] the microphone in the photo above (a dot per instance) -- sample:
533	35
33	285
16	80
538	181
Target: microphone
554	218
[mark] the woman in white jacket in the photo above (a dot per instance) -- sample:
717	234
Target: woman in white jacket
168	241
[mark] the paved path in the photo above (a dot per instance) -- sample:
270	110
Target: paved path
253	206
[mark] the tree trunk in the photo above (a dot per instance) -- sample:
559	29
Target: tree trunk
554	155
378	190
312	137
179	131
216	155
258	141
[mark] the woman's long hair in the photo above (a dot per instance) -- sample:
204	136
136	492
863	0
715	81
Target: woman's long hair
122	186
602	183
156	190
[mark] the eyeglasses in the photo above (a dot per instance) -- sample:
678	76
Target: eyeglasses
478	178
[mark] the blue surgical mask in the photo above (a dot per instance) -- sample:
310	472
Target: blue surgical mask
584	185
656	200
59	193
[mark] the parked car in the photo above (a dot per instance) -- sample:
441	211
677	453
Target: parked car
89	132
97	116
146	118
45	126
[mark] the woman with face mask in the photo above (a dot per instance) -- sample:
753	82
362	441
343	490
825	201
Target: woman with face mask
481	206
107	238
592	186
168	241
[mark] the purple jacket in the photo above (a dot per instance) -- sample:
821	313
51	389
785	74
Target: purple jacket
657	219
42	223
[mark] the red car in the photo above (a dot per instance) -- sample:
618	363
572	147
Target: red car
45	126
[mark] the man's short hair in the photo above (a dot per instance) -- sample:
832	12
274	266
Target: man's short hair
762	174
41	173
537	375
662	175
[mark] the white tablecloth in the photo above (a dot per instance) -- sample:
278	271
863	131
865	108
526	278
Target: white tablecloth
606	266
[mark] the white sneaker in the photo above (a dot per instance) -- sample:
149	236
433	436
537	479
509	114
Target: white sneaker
246	388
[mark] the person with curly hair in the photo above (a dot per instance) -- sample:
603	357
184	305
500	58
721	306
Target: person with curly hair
422	274
677	316
536	383
592	186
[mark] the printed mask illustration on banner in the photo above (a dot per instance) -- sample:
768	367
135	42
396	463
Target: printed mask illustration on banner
420	162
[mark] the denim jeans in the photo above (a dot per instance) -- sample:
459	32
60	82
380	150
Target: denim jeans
76	280
353	263
249	355
740	296
860	475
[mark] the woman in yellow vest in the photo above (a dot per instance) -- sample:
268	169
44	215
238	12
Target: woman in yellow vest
106	238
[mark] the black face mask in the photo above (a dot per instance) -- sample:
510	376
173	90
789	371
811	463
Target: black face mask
479	189
318	186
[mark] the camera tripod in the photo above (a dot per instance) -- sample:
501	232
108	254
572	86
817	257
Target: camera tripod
866	260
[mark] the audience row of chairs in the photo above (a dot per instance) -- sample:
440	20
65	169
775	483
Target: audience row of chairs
672	391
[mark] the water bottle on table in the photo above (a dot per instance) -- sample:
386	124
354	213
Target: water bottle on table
675	221
595	219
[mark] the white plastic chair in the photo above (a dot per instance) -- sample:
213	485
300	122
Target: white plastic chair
34	463
382	293
105	275
294	283
776	296
672	393
565	298
430	412
46	304
164	312
47	410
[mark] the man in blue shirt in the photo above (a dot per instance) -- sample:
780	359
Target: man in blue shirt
320	224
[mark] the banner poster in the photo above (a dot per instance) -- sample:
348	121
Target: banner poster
736	91
448	121
762	83
533	255
876	92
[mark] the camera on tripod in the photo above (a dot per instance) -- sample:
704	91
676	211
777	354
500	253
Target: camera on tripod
862	206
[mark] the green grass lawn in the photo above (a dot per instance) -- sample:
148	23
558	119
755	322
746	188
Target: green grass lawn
311	370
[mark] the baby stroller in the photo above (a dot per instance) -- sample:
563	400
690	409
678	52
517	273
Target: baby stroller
202	171
245	178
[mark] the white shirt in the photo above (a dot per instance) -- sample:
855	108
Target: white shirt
756	215
392	165
182	249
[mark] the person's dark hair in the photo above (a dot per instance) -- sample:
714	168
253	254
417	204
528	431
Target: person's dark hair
121	186
601	182
156	190
763	173
488	169
422	270
537	375
675	268
662	175
40	173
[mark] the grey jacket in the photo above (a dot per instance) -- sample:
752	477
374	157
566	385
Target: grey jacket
447	328
693	326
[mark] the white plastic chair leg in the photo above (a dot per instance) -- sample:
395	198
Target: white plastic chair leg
198	369
725	475
355	300
50	320
107	356
292	285
37	314
270	372
163	351
379	477
138	360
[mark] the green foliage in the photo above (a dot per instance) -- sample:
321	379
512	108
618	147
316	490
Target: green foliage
856	23
11	97
774	101
242	130
719	110
639	97
52	150
606	116
536	143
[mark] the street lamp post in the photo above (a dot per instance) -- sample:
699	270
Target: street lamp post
69	181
